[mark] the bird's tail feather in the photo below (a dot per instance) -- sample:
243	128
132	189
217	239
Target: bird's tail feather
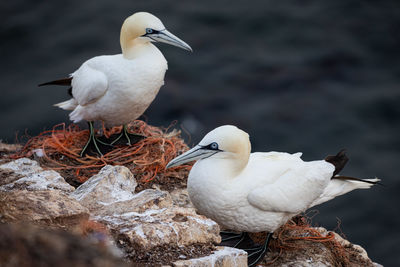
369	182
67	105
340	185
64	81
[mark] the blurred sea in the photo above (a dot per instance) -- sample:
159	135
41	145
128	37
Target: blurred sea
309	76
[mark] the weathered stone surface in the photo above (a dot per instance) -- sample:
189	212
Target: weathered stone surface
180	198
9	148
27	245
152	228
42	207
112	184
148	199
111	192
359	253
223	257
144	220
27	174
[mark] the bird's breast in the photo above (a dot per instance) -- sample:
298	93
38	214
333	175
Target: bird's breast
132	86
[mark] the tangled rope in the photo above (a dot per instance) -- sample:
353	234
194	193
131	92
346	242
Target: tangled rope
59	149
291	235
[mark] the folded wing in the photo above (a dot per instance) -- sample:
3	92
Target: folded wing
88	85
296	188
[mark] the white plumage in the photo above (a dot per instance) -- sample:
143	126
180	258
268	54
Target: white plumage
114	89
258	191
117	89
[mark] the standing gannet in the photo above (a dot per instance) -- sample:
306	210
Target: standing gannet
257	192
117	89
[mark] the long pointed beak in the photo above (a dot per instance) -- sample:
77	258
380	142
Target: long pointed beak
165	36
193	154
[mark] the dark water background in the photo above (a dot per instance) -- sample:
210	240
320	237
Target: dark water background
310	76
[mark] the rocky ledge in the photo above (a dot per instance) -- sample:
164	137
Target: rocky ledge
104	222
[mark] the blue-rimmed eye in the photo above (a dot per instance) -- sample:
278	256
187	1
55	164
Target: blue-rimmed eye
214	146
149	30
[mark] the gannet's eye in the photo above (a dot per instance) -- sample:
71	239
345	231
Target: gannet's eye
214	146
149	30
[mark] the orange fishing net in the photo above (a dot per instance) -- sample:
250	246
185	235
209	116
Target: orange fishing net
294	236
59	149
299	228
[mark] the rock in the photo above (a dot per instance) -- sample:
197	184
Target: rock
346	244
223	257
357	253
166	255
111	192
27	245
180	198
27	174
9	148
168	226
148	199
49	207
144	220
112	184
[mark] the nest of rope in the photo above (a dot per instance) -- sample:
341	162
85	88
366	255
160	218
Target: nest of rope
59	149
299	237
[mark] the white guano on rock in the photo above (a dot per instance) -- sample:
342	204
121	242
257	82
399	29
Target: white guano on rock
27	174
222	257
112	184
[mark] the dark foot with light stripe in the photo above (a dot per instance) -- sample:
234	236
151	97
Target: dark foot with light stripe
231	239
255	252
94	146
125	138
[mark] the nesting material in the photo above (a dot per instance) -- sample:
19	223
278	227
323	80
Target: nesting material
59	149
297	239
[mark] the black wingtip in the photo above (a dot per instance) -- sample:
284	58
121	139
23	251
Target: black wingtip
339	160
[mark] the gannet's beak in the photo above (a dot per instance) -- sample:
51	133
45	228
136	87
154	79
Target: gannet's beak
165	36
196	153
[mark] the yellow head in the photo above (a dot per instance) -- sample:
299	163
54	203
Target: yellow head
225	142
143	28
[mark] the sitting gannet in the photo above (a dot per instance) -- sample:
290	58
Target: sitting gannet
117	89
256	192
